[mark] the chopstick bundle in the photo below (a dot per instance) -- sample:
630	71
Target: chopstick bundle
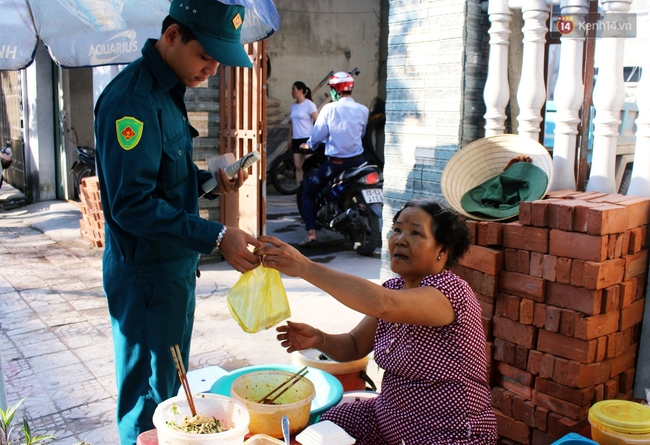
182	375
295	378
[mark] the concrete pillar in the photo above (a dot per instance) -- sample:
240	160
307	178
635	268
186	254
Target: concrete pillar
40	166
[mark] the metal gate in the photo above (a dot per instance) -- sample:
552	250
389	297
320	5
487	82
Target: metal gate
242	129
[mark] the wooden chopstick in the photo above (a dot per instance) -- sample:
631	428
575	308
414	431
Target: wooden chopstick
269	401
182	375
297	376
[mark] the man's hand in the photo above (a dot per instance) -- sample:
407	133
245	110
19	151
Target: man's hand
234	248
229	186
305	146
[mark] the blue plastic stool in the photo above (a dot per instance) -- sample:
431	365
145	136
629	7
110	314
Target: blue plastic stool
574	439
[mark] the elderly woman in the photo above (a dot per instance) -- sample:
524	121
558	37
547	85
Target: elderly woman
424	327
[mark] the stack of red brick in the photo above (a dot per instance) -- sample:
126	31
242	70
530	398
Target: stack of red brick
562	292
92	217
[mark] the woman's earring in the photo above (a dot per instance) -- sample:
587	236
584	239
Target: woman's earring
438	257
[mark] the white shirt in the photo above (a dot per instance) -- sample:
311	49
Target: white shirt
301	120
341	125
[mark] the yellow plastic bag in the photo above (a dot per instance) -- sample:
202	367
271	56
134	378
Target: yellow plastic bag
258	300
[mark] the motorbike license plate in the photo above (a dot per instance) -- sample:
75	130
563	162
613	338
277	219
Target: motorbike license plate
373	195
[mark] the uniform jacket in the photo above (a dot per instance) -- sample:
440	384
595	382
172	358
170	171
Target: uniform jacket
150	189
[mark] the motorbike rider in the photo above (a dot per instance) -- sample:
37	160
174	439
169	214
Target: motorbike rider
341	124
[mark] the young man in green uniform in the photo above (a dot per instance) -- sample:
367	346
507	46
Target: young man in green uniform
150	188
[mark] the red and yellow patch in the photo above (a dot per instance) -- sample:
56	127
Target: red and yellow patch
129	132
237	21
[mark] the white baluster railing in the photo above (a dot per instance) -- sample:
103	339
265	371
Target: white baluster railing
640	183
608	98
568	97
496	93
608	93
531	93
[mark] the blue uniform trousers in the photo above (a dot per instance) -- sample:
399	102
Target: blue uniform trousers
146	320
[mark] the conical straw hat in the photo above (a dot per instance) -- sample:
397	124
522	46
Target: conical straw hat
486	158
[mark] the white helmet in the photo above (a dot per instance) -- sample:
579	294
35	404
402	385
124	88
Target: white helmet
341	82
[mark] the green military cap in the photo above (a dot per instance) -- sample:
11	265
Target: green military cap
217	27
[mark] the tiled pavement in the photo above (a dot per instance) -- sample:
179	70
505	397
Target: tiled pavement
55	341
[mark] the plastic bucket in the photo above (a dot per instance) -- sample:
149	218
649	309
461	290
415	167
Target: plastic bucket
352	375
574	439
328	388
295	403
620	422
232	414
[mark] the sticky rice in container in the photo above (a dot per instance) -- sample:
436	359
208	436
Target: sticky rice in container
620	422
232	415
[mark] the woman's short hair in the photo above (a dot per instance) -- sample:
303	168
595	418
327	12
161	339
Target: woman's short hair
304	88
447	226
187	35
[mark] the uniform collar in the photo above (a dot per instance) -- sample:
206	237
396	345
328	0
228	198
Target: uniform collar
159	68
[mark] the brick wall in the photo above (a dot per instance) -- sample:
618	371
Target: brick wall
436	68
563	292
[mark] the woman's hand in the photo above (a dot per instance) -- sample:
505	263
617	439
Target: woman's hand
281	256
299	336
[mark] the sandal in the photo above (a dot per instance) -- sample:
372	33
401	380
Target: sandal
306	242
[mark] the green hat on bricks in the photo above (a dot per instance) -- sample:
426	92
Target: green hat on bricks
482	161
217	27
499	197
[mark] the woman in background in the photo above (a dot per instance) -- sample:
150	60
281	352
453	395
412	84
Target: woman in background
303	115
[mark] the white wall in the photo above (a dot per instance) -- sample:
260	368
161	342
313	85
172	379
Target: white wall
316	37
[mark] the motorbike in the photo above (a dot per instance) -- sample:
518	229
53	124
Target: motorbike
282	171
83	167
6	159
282	174
350	203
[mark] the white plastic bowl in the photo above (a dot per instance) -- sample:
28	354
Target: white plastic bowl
232	414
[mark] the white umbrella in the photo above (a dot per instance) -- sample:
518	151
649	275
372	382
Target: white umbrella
82	33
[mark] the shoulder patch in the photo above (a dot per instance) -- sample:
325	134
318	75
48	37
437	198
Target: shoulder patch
129	132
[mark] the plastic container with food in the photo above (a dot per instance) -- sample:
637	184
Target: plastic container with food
620	422
295	402
263	439
232	415
328	388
